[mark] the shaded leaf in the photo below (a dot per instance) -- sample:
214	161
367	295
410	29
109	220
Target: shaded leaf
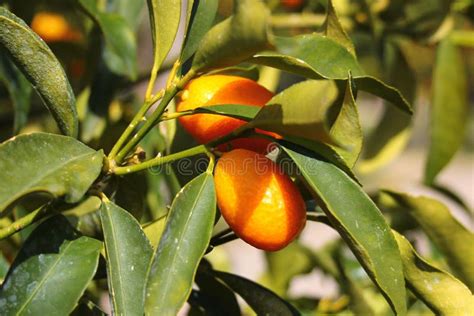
440	291
260	299
164	21
234	39
121	48
37	62
19	89
449	110
332	28
184	241
452	238
392	133
360	223
50	163
129	256
51	271
346	129
315	56
299	111
130	11
200	22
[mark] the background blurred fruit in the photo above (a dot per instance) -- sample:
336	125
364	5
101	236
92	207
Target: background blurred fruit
53	27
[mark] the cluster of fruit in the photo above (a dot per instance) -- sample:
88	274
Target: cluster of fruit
259	202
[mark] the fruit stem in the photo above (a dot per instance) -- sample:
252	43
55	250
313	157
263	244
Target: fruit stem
25	221
158	161
135	121
155	116
223	240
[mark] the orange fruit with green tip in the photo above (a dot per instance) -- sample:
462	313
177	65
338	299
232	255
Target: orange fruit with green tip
222	89
257	200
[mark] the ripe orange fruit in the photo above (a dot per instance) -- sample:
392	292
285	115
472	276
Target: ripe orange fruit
260	203
53	27
222	89
292	4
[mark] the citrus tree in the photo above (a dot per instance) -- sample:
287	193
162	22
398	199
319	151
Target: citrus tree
124	190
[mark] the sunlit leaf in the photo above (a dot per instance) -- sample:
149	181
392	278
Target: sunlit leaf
184	241
234	39
452	238
200	22
39	65
359	222
332	28
441	292
164	21
450	108
40	162
129	256
51	271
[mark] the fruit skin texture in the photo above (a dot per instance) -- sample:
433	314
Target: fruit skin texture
222	89
53	27
260	203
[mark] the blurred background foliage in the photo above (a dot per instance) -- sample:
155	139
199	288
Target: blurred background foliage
422	47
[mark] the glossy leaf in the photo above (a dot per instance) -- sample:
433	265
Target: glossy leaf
260	299
359	222
235	39
450	108
201	20
315	56
452	238
299	111
49	163
346	129
39	65
184	241
51	271
332	29
121	48
239	111
19	89
129	256
164	21
440	291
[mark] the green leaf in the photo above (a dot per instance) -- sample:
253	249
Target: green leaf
315	56
216	298
281	270
164	21
239	111
449	110
51	271
440	291
50	163
452	238
19	89
129	256
392	133
200	22
120	54
260	299
38	63
235	39
130	11
299	111
360	223
154	231
186	238
346	129
332	29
